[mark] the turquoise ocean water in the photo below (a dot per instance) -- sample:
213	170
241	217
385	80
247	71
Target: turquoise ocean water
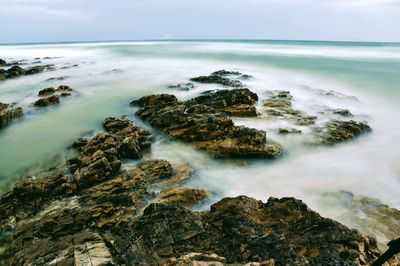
110	74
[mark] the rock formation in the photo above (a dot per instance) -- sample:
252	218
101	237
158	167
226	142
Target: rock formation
205	126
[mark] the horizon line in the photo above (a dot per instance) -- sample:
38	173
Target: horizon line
200	39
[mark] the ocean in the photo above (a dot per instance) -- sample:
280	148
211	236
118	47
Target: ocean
365	77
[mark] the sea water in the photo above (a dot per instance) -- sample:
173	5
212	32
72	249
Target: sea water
365	77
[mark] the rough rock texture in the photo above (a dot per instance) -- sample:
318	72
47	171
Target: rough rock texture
17	71
337	131
279	103
219	77
206	127
51	100
101	155
236	102
8	113
245	230
46	91
182	195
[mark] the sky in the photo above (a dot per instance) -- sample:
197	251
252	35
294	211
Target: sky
24	21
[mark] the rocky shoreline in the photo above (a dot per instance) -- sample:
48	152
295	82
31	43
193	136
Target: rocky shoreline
92	211
104	216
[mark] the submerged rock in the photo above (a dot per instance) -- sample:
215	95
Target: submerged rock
288	130
58	78
208	128
182	86
8	113
337	131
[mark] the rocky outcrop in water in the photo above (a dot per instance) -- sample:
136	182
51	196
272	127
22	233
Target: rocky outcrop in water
17	71
220	77
8	112
101	155
337	131
279	103
236	102
52	96
47	101
206	127
98	216
182	86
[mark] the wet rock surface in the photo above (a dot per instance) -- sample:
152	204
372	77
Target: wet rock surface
244	230
182	86
98	215
101	155
220	77
183	195
51	100
9	112
337	131
16	71
236	102
52	96
279	103
205	126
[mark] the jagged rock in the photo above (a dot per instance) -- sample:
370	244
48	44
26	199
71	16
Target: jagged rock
2	62
156	169
47	91
246	230
8	113
16	71
34	70
242	141
86	248
236	102
205	126
218	77
289	130
337	131
182	195
224	72
101	155
51	100
30	195
182	86
64	88
279	103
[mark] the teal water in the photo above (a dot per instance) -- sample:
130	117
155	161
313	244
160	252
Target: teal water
368	71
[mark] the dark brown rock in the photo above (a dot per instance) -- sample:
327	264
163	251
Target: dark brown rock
337	131
47	91
64	88
51	100
208	128
236	102
8	113
101	155
244	230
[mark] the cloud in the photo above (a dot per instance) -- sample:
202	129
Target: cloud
334	3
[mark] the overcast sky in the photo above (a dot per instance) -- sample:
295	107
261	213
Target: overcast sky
91	20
